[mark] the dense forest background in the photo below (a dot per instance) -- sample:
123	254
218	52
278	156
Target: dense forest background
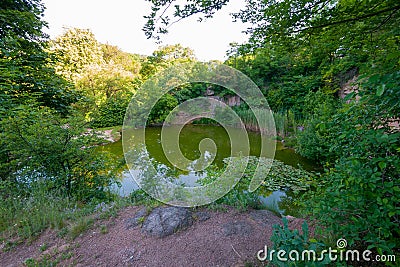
330	69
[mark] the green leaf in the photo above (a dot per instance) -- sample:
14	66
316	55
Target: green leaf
380	90
374	78
349	96
382	165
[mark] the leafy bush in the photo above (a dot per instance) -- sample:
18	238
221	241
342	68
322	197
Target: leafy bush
358	198
110	113
44	147
162	108
292	240
314	141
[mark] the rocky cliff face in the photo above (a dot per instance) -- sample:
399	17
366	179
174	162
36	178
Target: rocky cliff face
350	85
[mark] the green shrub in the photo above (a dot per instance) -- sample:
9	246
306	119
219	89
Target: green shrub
56	152
312	141
162	108
319	129
292	240
358	197
111	112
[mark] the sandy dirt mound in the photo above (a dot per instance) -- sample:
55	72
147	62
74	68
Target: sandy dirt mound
215	238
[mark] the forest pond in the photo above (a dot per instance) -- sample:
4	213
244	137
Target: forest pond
189	139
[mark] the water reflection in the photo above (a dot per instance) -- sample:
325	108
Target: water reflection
199	156
272	201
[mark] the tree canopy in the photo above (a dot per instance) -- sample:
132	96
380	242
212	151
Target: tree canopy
24	62
284	19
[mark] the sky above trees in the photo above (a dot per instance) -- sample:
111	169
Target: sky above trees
120	23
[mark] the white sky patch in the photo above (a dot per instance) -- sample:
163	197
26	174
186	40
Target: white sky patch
120	23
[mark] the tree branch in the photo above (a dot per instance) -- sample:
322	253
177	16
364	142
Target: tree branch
395	9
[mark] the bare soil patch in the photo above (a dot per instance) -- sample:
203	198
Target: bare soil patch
215	238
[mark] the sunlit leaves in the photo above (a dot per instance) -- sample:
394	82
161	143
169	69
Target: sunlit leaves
75	50
26	71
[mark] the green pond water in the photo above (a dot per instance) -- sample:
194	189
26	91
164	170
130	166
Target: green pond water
189	139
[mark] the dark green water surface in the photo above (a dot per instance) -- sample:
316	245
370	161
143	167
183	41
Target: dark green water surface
189	140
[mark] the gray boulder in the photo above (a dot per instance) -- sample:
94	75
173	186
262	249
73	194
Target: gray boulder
164	221
137	219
